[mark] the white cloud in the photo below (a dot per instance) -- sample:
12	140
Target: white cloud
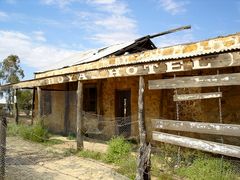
120	23
174	39
113	38
110	6
173	6
31	53
108	22
102	1
39	36
59	3
3	16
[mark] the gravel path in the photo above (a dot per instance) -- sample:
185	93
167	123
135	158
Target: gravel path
27	161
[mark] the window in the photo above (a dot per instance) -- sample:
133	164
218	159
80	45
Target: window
90	98
46	103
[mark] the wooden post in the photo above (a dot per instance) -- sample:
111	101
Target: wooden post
39	94
33	106
79	115
66	112
3	127
143	162
99	102
15	106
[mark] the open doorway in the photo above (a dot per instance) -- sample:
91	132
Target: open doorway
123	112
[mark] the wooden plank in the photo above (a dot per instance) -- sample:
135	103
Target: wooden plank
188	97
158	67
143	162
197	127
196	81
213	147
79	115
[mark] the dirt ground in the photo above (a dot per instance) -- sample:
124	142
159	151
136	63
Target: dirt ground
89	144
27	161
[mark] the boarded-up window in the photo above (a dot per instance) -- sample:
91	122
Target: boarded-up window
90	97
46	103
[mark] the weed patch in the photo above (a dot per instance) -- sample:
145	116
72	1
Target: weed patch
211	168
71	136
128	166
92	155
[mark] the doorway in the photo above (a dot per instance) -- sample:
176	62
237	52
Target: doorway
123	112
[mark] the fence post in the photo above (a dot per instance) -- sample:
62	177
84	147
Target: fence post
143	162
3	127
16	114
79	115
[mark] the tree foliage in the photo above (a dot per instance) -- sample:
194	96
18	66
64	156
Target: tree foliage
10	70
24	99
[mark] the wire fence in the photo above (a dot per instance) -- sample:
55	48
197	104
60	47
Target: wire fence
54	158
104	128
30	160
3	125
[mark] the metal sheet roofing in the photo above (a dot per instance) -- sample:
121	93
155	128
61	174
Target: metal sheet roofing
88	56
206	47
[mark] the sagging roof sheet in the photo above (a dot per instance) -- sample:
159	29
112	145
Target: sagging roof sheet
88	56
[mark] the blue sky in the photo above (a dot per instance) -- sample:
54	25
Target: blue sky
43	32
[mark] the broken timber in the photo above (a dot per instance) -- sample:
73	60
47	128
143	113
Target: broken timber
196	81
213	147
188	97
197	127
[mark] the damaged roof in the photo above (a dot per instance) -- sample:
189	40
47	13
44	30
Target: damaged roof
141	44
211	46
88	56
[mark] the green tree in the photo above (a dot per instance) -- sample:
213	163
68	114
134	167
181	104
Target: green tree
10	72
24	99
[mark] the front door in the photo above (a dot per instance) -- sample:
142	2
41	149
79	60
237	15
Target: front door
123	112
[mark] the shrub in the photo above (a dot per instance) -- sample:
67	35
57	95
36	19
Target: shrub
36	132
118	148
